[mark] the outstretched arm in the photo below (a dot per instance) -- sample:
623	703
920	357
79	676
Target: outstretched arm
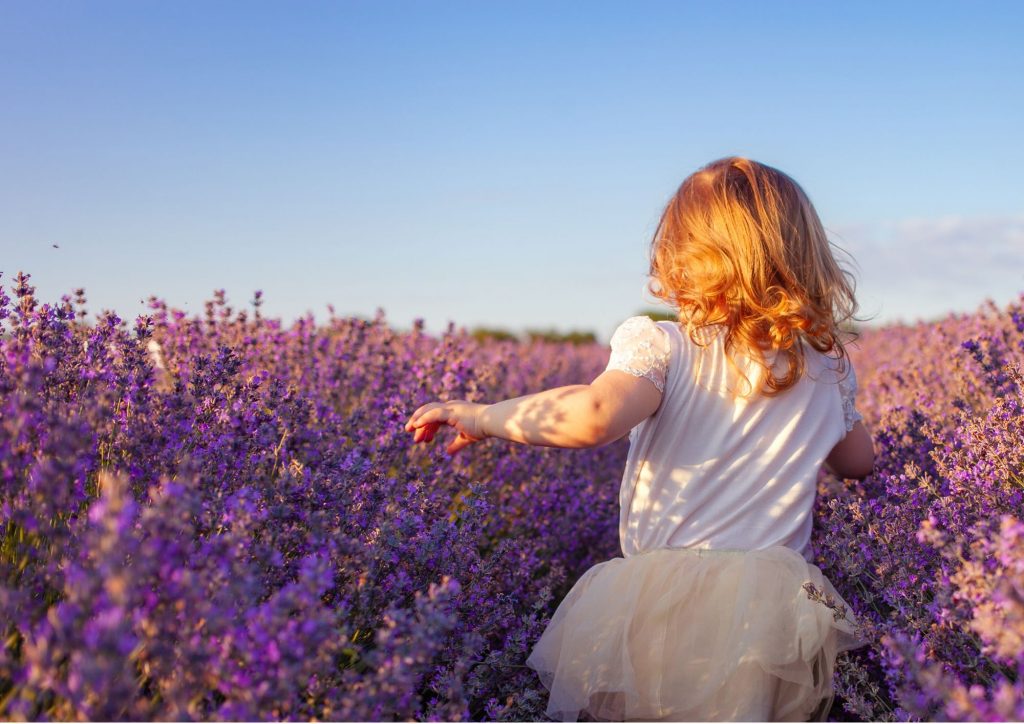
574	416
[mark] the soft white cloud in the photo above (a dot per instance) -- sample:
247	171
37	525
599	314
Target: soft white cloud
923	268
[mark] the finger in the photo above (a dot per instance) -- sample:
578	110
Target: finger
420	433
419	411
426	433
410	424
460	442
434	414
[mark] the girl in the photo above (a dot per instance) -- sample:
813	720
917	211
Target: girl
715	611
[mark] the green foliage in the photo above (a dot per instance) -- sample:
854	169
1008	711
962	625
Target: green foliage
482	334
573	337
659	315
533	335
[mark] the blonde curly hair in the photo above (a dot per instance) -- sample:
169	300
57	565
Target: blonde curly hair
740	245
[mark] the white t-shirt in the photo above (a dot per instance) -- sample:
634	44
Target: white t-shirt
710	469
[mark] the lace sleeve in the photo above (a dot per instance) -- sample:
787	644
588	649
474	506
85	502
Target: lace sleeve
640	348
848	391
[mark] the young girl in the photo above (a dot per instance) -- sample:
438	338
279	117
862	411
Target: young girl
731	412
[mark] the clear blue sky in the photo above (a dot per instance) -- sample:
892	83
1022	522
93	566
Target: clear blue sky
495	163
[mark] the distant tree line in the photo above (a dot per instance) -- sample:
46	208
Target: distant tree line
533	335
550	335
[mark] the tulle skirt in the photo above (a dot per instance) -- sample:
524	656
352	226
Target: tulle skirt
696	635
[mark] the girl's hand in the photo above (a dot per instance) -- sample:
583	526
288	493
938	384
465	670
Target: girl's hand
463	416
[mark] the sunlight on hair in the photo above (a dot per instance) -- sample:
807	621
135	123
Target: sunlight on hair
741	245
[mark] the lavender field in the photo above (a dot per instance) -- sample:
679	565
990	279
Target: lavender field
223	518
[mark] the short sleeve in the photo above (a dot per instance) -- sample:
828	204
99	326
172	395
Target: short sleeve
848	391
641	348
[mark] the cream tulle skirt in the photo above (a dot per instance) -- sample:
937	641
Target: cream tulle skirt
695	635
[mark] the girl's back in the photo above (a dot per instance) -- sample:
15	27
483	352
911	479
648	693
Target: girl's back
715	612
719	470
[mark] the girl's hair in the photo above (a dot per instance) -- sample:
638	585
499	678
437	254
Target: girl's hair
741	245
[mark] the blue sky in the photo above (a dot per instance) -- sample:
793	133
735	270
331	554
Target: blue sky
495	163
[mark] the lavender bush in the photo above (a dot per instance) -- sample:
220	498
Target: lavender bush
223	518
929	548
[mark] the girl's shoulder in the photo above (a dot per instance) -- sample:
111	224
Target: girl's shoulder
846	379
833	368
641	347
838	372
641	331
